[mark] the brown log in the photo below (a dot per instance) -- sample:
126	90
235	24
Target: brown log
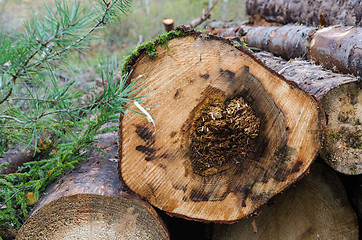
341	99
338	48
309	12
91	203
229	132
314	208
168	23
15	158
20	154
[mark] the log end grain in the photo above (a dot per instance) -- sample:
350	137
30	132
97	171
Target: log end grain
90	202
90	216
229	133
342	147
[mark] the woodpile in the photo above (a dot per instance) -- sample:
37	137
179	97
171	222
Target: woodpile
338	48
341	99
227	144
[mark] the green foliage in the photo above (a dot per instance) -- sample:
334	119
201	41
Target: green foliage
36	105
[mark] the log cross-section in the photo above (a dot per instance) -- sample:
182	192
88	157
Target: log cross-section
229	133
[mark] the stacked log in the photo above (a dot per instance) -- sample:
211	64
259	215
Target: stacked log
341	99
338	48
228	133
326	12
314	208
91	203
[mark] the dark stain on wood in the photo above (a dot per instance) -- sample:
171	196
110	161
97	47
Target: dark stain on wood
147	136
177	93
196	196
228	73
296	167
148	159
146	150
246	192
205	76
281	174
200	195
145	133
284	153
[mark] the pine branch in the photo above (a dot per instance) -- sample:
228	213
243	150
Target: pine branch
49	44
46	104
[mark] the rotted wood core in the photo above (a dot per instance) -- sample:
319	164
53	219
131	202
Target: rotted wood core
223	135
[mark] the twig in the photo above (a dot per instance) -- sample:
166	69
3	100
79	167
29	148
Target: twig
204	16
15	195
12	118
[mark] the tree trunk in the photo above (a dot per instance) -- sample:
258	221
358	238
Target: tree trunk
341	99
229	132
90	203
309	12
338	48
315	208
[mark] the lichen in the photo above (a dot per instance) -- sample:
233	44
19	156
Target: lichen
224	134
350	137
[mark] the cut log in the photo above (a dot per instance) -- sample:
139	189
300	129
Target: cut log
90	203
229	132
341	99
309	12
315	208
338	48
168	23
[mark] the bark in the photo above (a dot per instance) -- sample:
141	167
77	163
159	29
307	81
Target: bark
309	12
316	208
15	158
91	203
337	48
19	154
341	99
229	133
